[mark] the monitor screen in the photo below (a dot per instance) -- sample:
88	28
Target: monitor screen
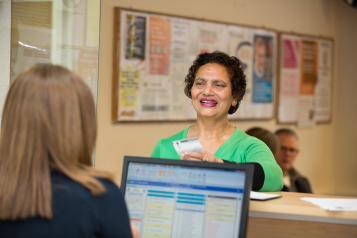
178	200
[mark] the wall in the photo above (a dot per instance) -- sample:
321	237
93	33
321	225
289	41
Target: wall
316	17
5	41
345	157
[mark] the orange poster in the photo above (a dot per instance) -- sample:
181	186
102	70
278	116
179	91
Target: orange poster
159	38
309	70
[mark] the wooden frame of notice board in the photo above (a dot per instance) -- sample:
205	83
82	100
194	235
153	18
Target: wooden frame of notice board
152	55
305	85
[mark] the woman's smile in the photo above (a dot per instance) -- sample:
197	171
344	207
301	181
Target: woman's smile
208	102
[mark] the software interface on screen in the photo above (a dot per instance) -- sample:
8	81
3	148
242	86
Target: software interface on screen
176	201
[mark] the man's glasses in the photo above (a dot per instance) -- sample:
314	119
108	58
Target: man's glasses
289	149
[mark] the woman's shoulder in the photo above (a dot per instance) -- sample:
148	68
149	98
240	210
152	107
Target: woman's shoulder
62	184
241	138
110	185
243	144
75	205
240	144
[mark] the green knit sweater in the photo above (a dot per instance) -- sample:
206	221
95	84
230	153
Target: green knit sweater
239	148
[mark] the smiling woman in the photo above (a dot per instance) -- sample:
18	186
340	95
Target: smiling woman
216	85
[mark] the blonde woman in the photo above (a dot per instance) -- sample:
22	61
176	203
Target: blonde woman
47	185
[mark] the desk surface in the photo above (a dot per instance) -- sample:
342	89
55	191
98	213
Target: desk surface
291	207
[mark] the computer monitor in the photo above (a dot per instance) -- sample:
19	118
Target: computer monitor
179	199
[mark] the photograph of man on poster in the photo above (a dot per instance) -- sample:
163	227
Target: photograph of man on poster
262	69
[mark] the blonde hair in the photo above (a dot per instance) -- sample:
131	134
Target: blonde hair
48	124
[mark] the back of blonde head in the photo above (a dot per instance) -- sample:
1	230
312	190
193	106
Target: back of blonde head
48	124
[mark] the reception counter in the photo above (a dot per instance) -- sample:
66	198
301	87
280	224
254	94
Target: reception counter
289	216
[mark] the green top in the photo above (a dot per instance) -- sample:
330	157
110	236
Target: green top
240	148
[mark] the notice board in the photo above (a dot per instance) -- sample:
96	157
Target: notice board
152	55
305	79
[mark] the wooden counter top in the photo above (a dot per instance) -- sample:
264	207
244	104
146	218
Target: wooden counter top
290	206
289	216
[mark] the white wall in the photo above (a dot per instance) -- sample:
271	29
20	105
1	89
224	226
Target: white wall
318	145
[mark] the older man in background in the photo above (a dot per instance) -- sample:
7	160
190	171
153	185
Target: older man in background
285	156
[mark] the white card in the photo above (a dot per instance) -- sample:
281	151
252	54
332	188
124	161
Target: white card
187	145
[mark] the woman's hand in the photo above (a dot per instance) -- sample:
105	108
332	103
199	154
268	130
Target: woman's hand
134	231
195	156
200	156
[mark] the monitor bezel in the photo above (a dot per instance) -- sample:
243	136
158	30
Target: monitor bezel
247	168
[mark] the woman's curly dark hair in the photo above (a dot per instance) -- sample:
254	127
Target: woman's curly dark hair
233	67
